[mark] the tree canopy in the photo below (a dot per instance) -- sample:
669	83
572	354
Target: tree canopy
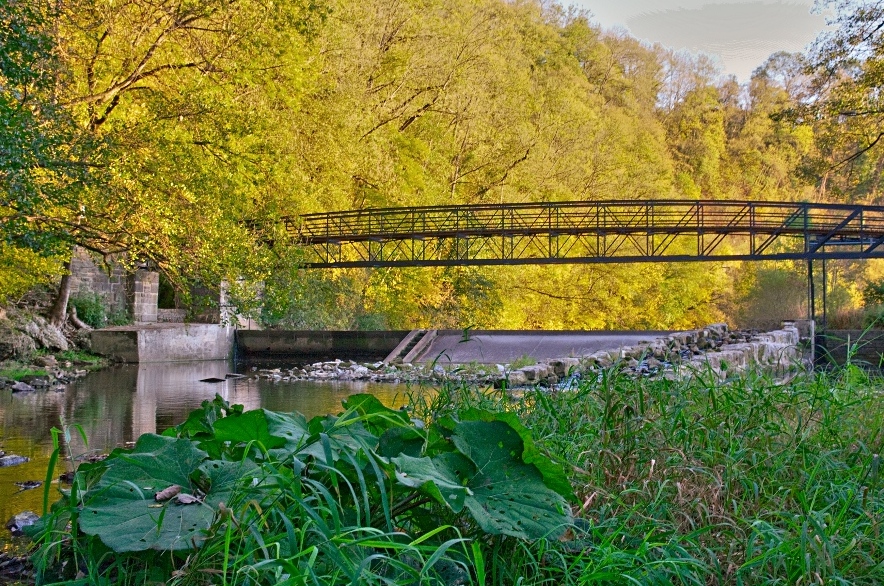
178	133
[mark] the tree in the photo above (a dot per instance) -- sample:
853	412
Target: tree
848	75
167	107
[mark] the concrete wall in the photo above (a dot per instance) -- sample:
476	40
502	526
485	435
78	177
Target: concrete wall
865	347
350	345
164	342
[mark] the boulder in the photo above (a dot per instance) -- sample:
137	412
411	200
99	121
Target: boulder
535	372
563	366
47	361
22	387
20	521
516	378
47	335
14	343
12	460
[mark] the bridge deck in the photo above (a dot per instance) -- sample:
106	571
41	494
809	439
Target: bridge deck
590	231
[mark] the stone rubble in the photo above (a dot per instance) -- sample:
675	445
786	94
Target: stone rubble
714	349
20	521
55	379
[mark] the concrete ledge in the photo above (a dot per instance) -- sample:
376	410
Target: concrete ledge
164	342
353	345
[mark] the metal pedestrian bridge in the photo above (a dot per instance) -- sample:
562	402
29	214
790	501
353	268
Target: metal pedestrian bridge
589	232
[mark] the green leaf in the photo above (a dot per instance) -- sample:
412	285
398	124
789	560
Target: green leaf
438	477
401	440
251	426
554	475
121	510
487	476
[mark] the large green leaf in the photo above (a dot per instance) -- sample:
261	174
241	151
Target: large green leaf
438	477
121	508
553	474
488	477
290	434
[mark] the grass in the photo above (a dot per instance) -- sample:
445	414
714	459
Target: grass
523	360
748	481
17	372
81	357
17	369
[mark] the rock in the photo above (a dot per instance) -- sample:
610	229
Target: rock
516	379
38	382
46	334
15	343
22	387
563	366
15	568
535	372
12	460
359	371
47	361
18	522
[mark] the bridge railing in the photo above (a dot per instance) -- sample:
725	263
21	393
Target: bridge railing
660	216
602	231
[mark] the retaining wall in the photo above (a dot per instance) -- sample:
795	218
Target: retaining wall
164	342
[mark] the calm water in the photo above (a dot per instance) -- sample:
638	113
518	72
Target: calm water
116	405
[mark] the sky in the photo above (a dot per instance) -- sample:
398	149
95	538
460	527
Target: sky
740	35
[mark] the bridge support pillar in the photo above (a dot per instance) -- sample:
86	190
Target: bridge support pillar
811	292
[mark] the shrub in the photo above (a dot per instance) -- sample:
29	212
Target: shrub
259	497
91	308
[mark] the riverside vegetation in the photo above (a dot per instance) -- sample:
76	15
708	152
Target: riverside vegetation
619	480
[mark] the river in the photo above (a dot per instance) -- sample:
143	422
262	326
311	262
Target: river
116	405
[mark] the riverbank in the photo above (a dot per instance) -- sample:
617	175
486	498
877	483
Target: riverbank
691	480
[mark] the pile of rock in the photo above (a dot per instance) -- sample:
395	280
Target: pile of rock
58	375
714	348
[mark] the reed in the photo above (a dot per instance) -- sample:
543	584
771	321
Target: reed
752	480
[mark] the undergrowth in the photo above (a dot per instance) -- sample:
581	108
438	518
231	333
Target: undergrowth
751	480
748	481
16	371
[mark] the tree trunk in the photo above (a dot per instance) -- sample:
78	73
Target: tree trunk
59	311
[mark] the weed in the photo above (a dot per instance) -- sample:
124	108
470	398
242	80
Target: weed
94	310
523	360
18	372
80	357
748	481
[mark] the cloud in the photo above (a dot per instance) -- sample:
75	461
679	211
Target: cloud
742	34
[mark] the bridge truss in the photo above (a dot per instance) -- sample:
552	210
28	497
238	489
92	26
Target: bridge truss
589	232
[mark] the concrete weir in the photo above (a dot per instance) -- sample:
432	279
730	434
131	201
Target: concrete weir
159	342
317	345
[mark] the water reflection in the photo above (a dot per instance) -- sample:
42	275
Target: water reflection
118	404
